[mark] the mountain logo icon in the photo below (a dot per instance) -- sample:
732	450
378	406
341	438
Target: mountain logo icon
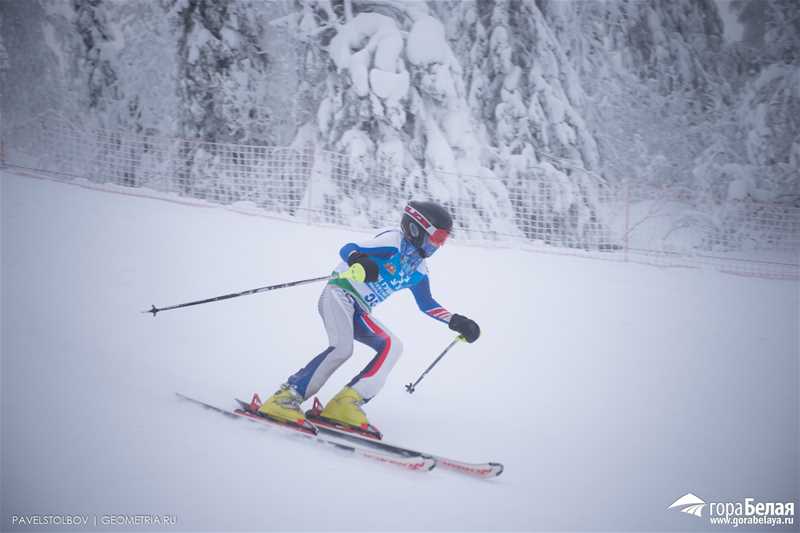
689	504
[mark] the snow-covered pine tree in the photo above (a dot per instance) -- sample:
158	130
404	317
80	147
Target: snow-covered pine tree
534	97
220	65
228	91
108	64
768	108
3	69
748	177
95	60
3	51
526	94
125	69
395	104
3	83
648	70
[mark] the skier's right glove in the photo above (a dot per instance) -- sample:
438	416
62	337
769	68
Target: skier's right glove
466	327
362	268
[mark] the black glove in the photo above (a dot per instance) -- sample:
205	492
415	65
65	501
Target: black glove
466	327
370	267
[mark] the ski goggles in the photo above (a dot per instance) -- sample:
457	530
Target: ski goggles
437	237
428	248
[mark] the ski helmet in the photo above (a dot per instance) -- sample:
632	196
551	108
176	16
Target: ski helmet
426	225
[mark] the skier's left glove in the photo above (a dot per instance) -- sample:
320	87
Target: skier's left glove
466	327
362	268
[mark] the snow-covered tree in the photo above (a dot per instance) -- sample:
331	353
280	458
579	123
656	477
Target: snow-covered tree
518	114
648	70
3	51
529	101
395	104
221	64
768	108
37	78
4	64
235	84
96	58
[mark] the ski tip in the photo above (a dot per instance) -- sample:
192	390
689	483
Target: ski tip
497	468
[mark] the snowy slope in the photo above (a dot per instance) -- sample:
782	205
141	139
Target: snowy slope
608	390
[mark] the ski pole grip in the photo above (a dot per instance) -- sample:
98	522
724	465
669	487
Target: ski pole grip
355	273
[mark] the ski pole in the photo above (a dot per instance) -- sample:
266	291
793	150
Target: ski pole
155	309
411	387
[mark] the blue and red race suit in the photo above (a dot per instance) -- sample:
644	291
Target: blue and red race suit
400	266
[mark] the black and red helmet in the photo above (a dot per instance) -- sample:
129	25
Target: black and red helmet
426	225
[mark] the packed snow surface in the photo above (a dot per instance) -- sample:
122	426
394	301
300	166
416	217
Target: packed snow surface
608	390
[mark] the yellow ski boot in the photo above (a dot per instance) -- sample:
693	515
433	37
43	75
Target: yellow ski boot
284	407
344	413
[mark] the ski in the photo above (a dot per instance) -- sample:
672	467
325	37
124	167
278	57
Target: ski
417	462
481	470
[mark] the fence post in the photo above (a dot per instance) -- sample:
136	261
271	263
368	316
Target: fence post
627	217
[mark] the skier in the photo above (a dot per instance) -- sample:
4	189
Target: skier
368	274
